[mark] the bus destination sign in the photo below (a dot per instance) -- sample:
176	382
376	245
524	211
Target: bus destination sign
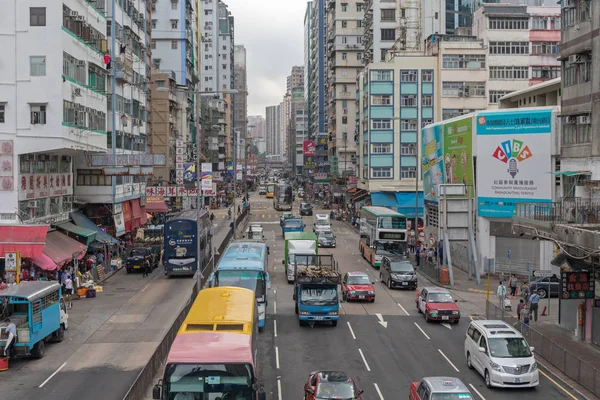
392	236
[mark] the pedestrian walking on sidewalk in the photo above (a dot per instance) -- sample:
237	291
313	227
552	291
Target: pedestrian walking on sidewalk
525	291
501	293
146	268
534	300
513	285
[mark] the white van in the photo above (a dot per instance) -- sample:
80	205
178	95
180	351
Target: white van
501	355
322	223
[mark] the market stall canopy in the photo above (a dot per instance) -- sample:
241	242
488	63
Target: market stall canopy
84	222
60	248
359	195
44	262
156	205
384	199
87	234
407	203
29	240
137	213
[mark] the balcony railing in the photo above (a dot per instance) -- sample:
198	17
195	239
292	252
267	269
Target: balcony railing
567	211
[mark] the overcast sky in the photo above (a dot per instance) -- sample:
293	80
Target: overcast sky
272	32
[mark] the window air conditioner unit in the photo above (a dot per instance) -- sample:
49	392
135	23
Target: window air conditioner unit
74	13
77	92
575	59
81	62
583	120
32	204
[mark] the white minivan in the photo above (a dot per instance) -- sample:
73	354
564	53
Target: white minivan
501	355
322	223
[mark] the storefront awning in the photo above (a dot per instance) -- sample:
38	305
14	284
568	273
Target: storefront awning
359	195
84	222
87	234
60	248
137	213
29	240
44	262
406	203
144	217
384	199
156	205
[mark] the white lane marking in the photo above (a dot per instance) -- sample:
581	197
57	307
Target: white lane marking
381	321
447	325
145	287
351	331
379	391
364	360
274	291
277	357
275	327
274	307
476	391
53	374
403	309
449	362
422	331
279	395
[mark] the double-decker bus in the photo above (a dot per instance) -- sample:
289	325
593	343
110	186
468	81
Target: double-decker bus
215	355
382	232
270	189
244	264
182	234
283	196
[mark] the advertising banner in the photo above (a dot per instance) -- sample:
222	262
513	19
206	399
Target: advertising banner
513	160
310	148
458	152
432	162
207	176
189	175
238	175
119	224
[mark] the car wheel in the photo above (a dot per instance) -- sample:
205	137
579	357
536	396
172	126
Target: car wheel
296	309
427	318
60	334
39	349
469	364
301	323
542	293
418	309
488	380
389	283
333	323
380	277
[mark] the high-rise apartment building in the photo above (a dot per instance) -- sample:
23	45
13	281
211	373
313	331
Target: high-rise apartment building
307	52
296	79
345	50
523	49
273	132
240	119
256	128
297	129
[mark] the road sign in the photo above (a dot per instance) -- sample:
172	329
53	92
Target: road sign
10	263
488	266
542	274
508	253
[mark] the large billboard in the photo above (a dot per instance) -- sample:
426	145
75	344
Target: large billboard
513	160
432	162
310	148
458	151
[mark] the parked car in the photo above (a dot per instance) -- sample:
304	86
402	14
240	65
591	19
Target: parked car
262	189
357	286
397	272
541	285
437	304
138	257
306	209
439	387
331	385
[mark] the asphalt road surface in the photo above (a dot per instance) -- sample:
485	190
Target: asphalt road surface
384	345
109	341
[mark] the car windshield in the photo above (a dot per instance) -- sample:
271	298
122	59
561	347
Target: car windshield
326	235
451	396
336	390
402	266
321	222
440	298
305	205
318	296
287	214
358	280
509	348
253	280
293	224
138	253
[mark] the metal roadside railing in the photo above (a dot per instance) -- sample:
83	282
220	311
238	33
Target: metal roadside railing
431	269
560	358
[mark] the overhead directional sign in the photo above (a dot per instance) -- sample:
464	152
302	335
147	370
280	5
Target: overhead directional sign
542	274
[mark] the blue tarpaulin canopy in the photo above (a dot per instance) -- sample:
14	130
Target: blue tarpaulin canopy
84	222
406	204
384	199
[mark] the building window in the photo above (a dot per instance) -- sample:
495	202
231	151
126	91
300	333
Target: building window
381	75
408	149
384	54
509	48
425	122
360	7
37	65
448	113
545	72
495	95
463	61
344	7
344	24
388	15
2	113
173	44
427	100
153	44
153	24
173	4
578	71
344	56
344	39
37	114
379	124
388	34
224	66
427	75
509	73
37	16
408	172
539	23
379	148
359	24
74	68
408	76
174	24
555	23
344	120
381	100
92	177
408	100
408	124
463	89
509	23
381	172
577	129
359	56
545	48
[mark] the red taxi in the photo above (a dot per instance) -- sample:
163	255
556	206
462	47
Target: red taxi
331	385
357	286
439	387
436	304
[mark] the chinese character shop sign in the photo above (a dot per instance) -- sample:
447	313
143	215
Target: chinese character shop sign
577	285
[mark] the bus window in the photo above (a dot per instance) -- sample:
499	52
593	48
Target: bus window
392	222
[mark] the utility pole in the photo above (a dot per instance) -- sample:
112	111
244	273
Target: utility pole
234	213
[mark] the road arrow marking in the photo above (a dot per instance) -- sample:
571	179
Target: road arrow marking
447	325
381	321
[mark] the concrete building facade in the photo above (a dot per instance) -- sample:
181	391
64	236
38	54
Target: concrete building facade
318	74
256	129
240	106
307	53
295	79
273	132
